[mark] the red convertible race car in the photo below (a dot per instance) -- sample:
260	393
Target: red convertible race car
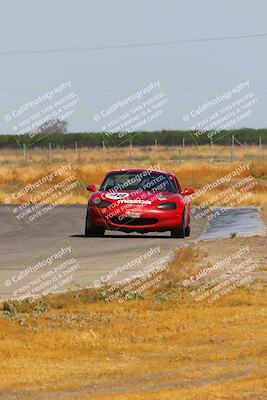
139	200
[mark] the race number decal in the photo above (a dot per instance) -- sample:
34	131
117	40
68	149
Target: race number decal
117	196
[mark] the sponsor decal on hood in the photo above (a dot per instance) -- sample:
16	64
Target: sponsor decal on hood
134	201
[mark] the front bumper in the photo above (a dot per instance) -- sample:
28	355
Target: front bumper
149	221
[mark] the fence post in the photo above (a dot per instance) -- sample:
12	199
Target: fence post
156	144
211	150
103	150
233	149
183	145
131	151
260	147
50	151
77	150
24	154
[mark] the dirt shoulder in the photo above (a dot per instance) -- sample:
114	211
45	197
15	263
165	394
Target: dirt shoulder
253	248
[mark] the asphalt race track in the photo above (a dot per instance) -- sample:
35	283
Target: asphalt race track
96	258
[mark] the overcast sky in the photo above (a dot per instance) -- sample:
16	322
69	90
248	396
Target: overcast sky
189	73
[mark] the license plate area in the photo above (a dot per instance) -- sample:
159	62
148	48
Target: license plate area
130	214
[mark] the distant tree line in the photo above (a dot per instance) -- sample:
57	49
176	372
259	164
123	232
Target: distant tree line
164	137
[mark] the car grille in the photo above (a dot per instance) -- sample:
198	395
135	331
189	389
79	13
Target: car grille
134	221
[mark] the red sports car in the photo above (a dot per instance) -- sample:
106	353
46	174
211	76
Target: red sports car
139	200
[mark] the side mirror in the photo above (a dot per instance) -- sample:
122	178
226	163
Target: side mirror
188	191
91	188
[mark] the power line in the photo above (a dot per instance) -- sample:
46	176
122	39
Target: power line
133	45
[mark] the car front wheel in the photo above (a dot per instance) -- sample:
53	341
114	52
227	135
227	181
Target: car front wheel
187	230
179	232
93	231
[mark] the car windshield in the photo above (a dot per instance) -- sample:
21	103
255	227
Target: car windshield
143	180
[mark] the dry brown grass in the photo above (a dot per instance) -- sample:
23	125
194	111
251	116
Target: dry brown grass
156	348
195	170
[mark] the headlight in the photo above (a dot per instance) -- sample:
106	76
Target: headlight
101	203
168	206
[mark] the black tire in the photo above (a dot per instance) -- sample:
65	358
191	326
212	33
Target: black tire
187	230
178	232
93	231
